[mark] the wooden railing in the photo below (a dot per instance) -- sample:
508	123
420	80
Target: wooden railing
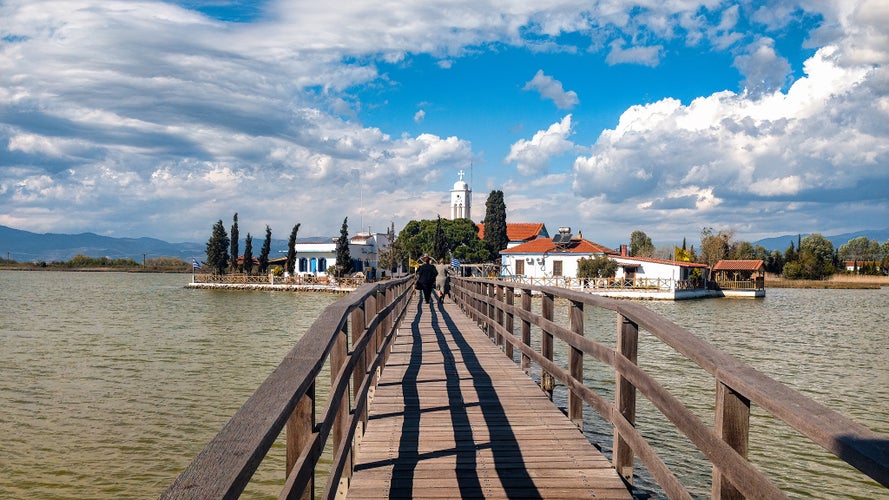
661	284
492	304
353	336
306	279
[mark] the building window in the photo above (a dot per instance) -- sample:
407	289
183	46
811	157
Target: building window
557	268
519	266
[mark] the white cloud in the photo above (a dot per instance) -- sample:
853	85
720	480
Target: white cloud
419	116
550	88
764	70
646	56
533	157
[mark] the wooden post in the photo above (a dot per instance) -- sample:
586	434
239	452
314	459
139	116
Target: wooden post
510	322
338	356
547	382
732	424
358	323
575	364
625	395
526	330
498	313
299	430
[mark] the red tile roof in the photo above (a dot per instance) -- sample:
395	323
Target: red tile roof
516	231
681	263
738	265
544	245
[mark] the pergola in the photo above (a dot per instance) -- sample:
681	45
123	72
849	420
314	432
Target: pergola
738	274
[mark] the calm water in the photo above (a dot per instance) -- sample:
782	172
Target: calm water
111	383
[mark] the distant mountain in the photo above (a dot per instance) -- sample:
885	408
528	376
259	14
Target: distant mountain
25	246
782	242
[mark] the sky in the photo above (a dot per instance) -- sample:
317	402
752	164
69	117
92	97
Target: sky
133	118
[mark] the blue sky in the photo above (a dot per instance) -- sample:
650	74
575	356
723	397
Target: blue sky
140	118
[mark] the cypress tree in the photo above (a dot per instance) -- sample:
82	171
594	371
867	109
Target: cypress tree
439	241
343	256
495	223
291	250
248	254
264	252
217	248
234	243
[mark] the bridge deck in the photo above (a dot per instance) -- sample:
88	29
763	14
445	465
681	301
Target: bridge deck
453	417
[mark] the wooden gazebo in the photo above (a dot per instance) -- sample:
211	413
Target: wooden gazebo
739	274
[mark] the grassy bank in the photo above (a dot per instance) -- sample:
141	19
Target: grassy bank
841	281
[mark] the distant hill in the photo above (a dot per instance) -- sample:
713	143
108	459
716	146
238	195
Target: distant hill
782	242
25	246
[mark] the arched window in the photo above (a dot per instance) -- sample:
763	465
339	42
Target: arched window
322	265
303	265
313	265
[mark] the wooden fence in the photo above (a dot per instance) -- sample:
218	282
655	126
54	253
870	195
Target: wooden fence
353	336
492	304
654	284
308	280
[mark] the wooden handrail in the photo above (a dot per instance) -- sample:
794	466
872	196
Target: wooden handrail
287	398
738	386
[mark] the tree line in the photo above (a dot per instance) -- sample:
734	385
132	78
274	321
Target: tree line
223	251
810	257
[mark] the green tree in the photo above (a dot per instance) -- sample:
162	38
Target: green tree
860	249
264	252
715	247
439	242
461	237
496	238
814	259
343	254
248	254
234	243
218	248
290	265
742	250
641	245
596	267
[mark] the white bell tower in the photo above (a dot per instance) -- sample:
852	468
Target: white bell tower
461	199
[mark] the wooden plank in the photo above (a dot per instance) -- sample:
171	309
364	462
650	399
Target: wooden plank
453	417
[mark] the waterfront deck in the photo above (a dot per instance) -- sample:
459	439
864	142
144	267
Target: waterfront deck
454	417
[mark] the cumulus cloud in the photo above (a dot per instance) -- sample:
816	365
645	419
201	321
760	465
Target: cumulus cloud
533	156
552	89
816	142
763	69
419	116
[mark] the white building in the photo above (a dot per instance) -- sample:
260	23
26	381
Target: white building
549	257
314	257
554	262
461	199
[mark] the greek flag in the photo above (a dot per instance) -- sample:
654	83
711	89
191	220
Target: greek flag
455	263
195	264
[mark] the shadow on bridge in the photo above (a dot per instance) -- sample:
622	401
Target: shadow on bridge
456	356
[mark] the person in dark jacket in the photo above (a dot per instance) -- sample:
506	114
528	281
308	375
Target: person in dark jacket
426	274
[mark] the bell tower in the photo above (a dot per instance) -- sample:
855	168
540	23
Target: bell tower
461	199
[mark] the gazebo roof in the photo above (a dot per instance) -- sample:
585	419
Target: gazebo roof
738	265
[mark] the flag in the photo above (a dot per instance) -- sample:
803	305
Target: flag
413	263
195	264
455	263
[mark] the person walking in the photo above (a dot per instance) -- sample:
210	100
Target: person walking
426	274
442	281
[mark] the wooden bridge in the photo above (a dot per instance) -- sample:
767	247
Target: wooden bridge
431	401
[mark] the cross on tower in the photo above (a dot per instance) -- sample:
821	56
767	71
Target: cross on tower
460	173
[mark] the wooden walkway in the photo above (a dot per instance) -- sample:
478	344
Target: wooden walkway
453	417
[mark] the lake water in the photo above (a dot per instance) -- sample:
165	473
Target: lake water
110	383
